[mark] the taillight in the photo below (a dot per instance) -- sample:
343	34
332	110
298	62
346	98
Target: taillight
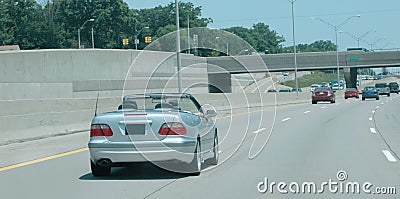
100	130
172	128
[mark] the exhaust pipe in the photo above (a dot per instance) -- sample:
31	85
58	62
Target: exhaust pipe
104	163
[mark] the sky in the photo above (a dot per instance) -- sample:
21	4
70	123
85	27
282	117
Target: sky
379	18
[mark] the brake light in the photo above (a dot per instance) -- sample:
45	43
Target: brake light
172	128
100	130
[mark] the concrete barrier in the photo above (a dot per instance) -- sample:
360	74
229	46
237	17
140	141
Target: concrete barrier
36	119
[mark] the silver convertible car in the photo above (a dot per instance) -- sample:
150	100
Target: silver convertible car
154	128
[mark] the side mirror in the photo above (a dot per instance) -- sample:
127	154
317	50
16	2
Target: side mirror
211	113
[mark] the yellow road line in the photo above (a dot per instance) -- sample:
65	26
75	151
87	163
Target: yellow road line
42	159
85	149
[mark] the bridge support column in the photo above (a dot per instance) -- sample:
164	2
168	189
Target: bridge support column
350	74
219	83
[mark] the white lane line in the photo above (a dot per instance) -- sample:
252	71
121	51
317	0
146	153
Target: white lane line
323	107
307	112
377	107
370	119
372	130
389	156
382	103
286	119
373	111
259	130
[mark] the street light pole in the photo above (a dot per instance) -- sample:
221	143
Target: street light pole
178	47
336	29
79	33
294	48
357	38
92	39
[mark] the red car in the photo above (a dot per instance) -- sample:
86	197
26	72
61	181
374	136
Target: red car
351	92
323	94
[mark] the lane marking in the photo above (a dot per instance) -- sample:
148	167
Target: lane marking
370	119
382	103
323	107
42	159
377	107
307	112
389	156
373	111
259	130
372	130
85	149
286	119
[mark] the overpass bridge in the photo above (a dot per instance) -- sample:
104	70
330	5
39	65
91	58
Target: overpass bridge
221	68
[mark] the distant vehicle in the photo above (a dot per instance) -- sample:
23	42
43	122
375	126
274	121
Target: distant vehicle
394	87
383	89
324	84
154	127
271	91
358	49
351	92
323	94
370	92
285	73
370	78
335	86
299	89
313	86
364	77
284	90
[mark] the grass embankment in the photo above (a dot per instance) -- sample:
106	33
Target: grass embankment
307	80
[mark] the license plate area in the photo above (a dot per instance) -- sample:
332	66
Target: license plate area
321	93
135	129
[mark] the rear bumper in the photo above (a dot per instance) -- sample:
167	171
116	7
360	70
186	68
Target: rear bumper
370	96
322	98
178	148
351	95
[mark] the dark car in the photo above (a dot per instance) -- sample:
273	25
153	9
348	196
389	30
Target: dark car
323	94
383	89
394	87
298	89
284	90
370	92
351	92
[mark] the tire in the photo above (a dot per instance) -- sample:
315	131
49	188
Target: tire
364	98
314	102
195	166
388	94
345	97
99	171
377	98
333	101
214	159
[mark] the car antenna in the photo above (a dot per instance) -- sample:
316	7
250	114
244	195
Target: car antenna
97	101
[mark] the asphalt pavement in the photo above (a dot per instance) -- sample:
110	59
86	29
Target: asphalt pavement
350	142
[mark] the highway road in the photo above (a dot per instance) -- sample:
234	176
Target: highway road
309	144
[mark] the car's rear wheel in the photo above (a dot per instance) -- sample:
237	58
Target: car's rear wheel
377	98
333	101
99	171
195	165
314	102
214	159
345	97
364	98
388	94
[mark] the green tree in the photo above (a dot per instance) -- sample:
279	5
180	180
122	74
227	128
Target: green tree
317	46
260	37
